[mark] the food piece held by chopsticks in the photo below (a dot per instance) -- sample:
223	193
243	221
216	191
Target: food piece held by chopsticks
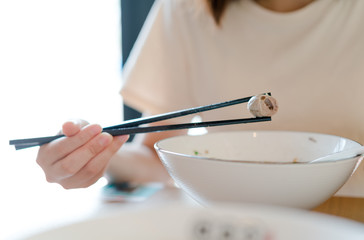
262	105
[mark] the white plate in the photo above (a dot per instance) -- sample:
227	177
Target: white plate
178	222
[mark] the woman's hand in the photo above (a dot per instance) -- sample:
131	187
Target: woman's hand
81	158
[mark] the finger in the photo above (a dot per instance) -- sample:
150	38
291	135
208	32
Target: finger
62	147
72	127
96	167
75	161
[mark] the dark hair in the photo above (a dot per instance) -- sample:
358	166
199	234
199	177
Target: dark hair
217	8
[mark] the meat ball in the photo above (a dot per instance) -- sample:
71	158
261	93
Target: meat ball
262	105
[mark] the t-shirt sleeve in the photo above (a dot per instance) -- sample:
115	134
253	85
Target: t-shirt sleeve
155	77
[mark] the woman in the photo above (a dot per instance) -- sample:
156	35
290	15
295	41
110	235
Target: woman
309	54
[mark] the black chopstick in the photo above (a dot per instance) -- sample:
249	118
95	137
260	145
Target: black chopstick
180	113
32	142
131	126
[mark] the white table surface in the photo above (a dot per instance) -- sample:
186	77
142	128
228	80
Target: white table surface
29	204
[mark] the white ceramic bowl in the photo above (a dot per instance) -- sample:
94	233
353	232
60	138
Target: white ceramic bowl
181	222
257	166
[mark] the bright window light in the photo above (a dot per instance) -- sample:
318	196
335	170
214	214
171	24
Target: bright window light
59	60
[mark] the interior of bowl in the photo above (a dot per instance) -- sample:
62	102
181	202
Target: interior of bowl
257	146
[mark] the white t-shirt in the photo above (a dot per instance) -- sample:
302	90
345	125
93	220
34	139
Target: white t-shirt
311	60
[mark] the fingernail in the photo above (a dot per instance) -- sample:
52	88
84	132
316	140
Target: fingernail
104	139
95	129
122	138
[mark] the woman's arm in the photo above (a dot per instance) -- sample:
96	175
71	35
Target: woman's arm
83	156
138	162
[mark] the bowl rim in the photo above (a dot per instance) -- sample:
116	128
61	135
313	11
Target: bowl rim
204	158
